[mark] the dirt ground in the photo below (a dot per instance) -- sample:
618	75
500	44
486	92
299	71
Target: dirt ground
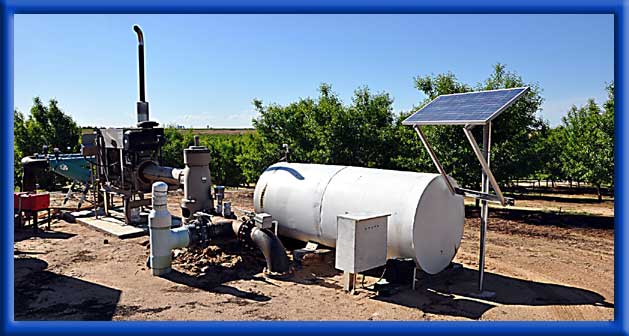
541	266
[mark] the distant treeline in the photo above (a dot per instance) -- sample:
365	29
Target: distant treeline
366	132
196	131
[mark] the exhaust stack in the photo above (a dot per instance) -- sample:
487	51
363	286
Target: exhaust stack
142	105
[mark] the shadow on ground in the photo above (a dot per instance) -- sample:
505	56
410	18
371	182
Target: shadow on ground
453	291
44	295
212	286
212	267
550	198
28	233
564	190
542	218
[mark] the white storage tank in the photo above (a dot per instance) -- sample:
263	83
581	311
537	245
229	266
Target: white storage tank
426	221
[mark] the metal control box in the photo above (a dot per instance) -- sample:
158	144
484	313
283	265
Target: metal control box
361	242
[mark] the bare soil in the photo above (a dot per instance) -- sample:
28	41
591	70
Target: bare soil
540	265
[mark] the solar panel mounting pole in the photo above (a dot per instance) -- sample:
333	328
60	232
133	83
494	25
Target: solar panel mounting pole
484	212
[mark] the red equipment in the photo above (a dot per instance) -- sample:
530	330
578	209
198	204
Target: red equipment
26	205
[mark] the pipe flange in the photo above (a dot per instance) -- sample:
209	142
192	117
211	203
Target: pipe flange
244	233
278	275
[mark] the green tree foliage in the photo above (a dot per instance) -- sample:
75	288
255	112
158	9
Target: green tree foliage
224	149
608	127
176	142
45	126
257	154
224	153
362	134
19	137
325	131
589	144
553	143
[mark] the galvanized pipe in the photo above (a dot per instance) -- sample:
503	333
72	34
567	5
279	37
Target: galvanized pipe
484	206
484	164
434	158
153	172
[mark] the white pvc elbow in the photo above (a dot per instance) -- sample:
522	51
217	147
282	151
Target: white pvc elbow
163	238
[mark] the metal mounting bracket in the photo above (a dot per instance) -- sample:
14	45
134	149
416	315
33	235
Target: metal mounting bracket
479	155
498	198
433	156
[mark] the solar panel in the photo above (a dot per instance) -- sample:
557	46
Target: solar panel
470	108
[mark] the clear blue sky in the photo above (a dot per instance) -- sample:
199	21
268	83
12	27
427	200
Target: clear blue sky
206	69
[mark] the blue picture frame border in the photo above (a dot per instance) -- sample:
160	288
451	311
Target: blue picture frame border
9	8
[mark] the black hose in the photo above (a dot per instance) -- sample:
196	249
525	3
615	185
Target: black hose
273	250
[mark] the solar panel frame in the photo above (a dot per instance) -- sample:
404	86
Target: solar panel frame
472	121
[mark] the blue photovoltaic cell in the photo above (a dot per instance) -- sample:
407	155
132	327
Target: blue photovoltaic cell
465	108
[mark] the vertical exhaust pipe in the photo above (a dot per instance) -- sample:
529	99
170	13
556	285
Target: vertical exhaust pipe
142	105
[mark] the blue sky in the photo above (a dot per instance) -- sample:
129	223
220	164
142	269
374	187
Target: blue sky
206	69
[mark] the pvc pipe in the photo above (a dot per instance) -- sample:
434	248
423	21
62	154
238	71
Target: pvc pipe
426	222
163	238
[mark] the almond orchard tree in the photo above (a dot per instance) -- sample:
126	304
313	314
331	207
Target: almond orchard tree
44	126
589	144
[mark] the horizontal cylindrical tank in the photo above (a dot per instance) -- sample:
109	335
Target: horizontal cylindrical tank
426	221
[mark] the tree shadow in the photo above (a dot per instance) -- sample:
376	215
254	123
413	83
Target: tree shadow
453	292
564	190
579	200
542	218
45	295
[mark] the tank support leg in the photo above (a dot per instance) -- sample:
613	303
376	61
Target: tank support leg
349	282
414	277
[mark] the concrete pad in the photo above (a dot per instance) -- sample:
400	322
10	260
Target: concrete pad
113	227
